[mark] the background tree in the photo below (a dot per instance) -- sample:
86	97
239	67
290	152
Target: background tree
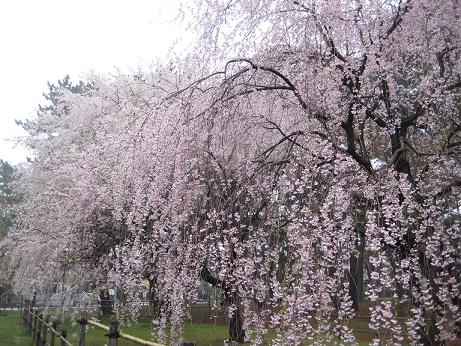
8	199
55	107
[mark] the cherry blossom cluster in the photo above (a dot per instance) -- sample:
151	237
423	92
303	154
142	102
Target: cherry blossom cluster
315	167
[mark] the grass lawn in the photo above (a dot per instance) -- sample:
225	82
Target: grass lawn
200	334
13	334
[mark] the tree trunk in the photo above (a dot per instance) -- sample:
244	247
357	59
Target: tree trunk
352	277
427	337
360	268
236	331
355	273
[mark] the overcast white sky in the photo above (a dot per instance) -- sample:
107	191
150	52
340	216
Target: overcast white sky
44	40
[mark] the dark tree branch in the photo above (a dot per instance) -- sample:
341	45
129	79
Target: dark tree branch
449	188
206	276
453	86
269	151
255	89
398	17
440	56
453	145
288	137
411	120
351	150
386	97
452	132
286	80
324	31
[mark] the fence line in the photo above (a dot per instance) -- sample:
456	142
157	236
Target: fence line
38	327
10	307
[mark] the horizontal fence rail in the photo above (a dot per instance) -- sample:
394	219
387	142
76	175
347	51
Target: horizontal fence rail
115	333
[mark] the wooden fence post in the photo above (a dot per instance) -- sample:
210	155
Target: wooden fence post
29	320
39	331
52	335
82	332
113	333
45	330
25	315
34	327
20	313
64	335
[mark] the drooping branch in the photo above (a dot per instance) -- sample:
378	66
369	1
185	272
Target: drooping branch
324	32
206	276
280	75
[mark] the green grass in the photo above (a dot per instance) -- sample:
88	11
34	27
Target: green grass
97	337
203	334
13	334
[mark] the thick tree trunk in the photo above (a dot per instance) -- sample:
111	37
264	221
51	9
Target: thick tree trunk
360	269
353	284
428	336
355	274
236	331
155	304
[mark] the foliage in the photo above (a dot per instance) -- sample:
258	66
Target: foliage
7	198
54	106
327	130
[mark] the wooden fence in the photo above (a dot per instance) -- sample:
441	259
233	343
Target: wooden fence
45	333
113	330
40	328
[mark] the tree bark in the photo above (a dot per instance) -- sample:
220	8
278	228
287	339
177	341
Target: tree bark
353	284
236	331
355	274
